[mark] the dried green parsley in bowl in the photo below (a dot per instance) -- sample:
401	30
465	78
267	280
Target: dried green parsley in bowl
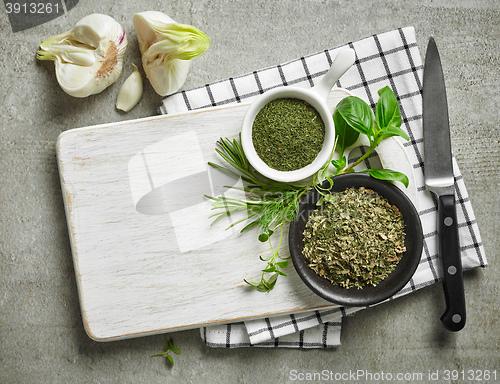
288	134
352	277
354	238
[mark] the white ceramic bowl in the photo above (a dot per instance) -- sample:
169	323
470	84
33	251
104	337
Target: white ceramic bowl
316	97
288	92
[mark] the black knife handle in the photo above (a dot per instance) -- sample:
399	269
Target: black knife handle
449	252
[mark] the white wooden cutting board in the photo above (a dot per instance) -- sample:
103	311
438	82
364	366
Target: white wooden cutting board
146	258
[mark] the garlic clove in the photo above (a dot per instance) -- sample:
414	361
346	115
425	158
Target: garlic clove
130	92
167	48
84	59
89	57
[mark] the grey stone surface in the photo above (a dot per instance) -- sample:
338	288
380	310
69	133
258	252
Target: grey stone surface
42	339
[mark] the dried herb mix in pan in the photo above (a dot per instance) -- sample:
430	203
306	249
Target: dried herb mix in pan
288	134
355	238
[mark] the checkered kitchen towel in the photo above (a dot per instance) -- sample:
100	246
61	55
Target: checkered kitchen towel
390	58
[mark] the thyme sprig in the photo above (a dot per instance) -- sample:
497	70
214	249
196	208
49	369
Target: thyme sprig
170	347
268	206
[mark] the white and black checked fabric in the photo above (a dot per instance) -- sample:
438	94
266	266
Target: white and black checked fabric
390	58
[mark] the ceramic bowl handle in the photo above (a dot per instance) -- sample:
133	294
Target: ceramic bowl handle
342	62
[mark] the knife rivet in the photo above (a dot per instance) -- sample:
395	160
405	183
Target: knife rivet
448	221
456	318
452	270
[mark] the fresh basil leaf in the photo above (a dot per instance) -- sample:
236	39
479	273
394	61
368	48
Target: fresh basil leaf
357	114
346	135
393	131
387	112
389	175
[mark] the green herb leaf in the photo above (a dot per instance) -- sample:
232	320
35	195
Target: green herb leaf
282	264
264	287
389	175
340	163
392	131
346	135
171	359
169	347
250	225
270	204
272	280
263	237
356	114
252	283
176	350
387	113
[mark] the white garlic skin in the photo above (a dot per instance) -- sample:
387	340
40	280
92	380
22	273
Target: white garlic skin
130	92
89	57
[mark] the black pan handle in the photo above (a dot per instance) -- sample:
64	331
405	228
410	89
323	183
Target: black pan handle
449	252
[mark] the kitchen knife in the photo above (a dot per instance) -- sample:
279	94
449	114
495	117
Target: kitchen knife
439	180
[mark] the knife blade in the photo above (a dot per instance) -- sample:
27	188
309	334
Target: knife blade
439	179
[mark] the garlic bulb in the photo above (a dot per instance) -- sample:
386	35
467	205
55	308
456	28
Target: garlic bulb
130	92
167	48
89	57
